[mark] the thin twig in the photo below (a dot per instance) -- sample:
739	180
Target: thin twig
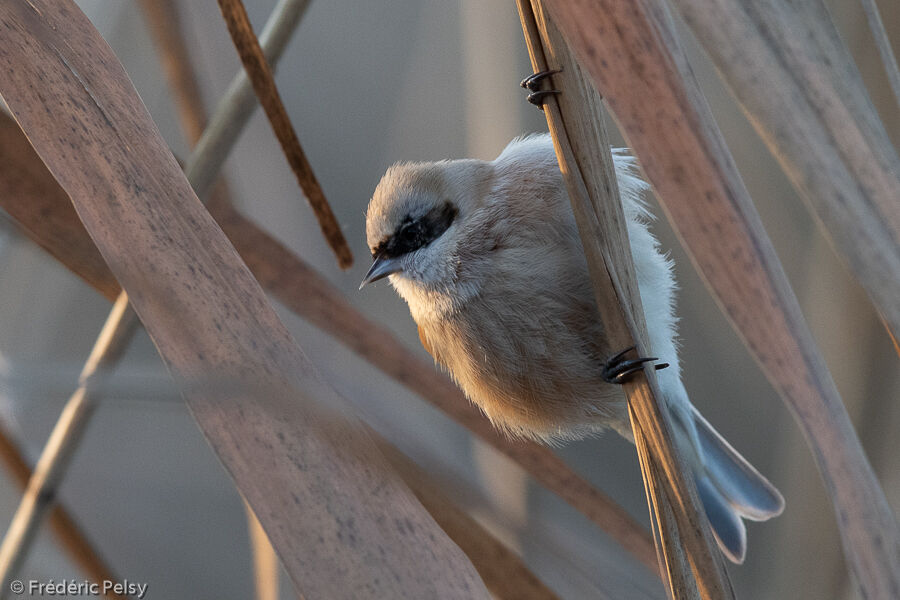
165	24
888	59
117	332
40	495
69	535
261	77
237	105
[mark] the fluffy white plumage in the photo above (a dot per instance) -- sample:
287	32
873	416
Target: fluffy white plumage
488	258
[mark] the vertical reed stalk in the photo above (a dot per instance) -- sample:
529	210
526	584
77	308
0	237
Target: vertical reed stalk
694	565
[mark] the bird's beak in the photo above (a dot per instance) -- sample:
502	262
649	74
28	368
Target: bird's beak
381	268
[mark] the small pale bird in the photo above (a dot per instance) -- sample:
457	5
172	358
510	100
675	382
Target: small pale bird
487	255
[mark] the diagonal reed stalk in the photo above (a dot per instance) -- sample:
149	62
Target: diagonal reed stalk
685	544
121	324
69	536
264	85
164	21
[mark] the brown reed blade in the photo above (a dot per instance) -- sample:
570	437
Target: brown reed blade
324	479
631	53
264	85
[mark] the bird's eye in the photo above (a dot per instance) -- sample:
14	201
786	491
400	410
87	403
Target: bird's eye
410	231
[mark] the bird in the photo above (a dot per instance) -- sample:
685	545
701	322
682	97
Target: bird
487	256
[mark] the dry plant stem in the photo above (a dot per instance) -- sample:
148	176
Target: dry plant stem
504	573
632	54
798	82
582	146
326	498
265	562
73	541
165	24
166	27
40	494
263	81
237	105
311	296
888	59
672	559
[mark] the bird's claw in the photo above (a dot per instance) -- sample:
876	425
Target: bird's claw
532	83
537	98
617	370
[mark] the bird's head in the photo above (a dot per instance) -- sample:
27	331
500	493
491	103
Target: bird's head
419	223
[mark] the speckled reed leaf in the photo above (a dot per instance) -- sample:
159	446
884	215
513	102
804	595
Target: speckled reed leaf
632	54
326	499
45	214
204	163
688	553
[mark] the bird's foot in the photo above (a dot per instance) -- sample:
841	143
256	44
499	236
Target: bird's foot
618	370
532	83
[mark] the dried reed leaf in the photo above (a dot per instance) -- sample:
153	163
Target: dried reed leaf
632	54
327	500
42	209
797	81
310	295
261	77
694	565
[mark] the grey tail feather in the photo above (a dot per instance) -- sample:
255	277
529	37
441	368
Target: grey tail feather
731	489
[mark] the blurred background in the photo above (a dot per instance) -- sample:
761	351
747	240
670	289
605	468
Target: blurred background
368	84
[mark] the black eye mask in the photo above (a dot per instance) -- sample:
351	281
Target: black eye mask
418	233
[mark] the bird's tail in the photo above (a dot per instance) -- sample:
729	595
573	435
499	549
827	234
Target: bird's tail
731	490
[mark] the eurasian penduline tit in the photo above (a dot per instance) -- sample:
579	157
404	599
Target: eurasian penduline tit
487	255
